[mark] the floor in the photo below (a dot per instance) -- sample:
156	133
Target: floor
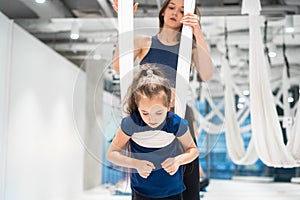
222	190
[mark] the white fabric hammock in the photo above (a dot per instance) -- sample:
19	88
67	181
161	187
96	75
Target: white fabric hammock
126	46
126	49
184	63
234	140
266	130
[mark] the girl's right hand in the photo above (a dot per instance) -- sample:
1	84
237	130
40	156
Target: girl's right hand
115	6
144	168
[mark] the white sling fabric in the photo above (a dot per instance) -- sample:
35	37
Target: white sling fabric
126	47
266	130
286	104
293	144
184	63
234	140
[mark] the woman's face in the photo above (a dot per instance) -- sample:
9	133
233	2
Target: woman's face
153	110
173	14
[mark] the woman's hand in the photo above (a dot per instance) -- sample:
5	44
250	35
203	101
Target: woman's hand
144	168
115	6
170	165
192	20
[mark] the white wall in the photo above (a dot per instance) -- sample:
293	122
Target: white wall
44	153
5	38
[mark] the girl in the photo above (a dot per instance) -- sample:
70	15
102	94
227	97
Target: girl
155	137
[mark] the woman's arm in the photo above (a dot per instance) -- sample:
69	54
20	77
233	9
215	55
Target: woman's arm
201	58
136	53
141	45
115	154
171	165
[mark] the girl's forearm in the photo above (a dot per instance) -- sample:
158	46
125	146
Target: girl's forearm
120	159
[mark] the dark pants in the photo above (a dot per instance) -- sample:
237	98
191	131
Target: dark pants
191	181
191	170
137	196
204	184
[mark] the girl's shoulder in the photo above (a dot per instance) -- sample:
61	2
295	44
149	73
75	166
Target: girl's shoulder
176	123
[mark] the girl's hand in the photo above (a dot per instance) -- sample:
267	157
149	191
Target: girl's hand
193	21
115	6
170	165
144	168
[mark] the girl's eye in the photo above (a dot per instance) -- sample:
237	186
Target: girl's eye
159	113
171	8
145	113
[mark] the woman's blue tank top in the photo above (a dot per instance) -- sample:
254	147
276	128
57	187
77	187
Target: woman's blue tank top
165	57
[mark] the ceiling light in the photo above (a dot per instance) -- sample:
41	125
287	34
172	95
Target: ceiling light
272	50
246	92
97	54
290	99
240	105
74	35
289	25
40	1
242	100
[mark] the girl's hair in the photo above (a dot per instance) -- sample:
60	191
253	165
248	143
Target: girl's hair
148	81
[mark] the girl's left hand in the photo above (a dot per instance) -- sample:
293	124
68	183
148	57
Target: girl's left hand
170	165
191	20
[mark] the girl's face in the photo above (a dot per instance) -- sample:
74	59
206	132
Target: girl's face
173	14
153	110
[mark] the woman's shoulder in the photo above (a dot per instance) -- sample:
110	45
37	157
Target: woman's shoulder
142	39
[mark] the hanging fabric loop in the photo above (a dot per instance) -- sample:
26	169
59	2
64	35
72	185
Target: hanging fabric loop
184	63
126	47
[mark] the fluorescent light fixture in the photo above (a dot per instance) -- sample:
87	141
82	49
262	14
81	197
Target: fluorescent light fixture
242	100
97	54
289	24
74	35
246	92
240	105
272	50
40	1
290	99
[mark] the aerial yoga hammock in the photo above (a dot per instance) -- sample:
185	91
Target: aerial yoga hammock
126	49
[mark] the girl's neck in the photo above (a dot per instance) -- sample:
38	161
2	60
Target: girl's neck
168	37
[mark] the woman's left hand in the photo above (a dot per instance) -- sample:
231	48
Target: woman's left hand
193	21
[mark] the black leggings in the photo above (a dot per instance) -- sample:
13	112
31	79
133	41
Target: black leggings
137	196
191	170
191	181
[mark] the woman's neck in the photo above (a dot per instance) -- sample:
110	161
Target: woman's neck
168	37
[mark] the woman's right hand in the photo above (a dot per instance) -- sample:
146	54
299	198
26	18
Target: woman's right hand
115	6
144	168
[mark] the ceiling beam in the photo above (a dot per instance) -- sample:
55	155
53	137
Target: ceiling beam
106	7
49	9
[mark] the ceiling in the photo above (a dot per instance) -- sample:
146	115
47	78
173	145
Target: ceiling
52	21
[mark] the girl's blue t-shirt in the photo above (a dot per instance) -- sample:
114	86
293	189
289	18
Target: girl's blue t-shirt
156	145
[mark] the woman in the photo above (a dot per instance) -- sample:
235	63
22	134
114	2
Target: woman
162	49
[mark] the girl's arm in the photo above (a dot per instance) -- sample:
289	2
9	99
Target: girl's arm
115	154
171	165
